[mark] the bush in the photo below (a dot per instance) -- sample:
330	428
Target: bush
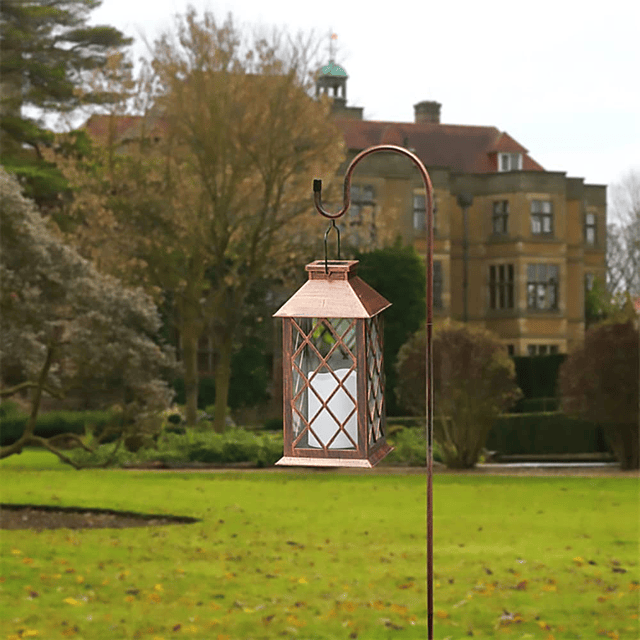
56	423
544	433
409	448
599	382
473	381
204	447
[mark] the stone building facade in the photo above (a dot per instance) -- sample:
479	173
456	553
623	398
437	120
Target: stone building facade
516	246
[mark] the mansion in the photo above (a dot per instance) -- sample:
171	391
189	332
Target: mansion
516	247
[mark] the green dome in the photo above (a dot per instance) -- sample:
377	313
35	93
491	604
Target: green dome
332	69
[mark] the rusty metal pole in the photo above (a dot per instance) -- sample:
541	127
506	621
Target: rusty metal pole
317	194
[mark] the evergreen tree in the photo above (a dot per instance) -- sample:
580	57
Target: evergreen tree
48	54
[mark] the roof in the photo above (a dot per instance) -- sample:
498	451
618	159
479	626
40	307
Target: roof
125	127
462	148
332	69
336	294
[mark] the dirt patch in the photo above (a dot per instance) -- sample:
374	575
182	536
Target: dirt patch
38	517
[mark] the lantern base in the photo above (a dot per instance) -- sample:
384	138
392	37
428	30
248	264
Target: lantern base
361	463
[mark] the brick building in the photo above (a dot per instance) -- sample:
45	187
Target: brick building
516	246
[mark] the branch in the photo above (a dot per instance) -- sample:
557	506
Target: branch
65	437
44	442
29	384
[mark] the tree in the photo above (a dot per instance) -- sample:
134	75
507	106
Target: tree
209	195
65	326
48	53
623	236
599	382
397	273
474	381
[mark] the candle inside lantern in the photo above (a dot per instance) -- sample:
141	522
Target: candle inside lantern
341	405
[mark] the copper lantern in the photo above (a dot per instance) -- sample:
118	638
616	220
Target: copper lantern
334	412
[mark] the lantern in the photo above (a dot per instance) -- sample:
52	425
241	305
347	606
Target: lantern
334	413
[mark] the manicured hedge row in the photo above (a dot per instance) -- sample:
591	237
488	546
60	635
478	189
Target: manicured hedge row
545	433
537	375
52	424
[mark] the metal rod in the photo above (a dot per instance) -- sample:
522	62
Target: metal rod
317	197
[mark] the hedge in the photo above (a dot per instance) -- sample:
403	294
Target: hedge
545	433
53	423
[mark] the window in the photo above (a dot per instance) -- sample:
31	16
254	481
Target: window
509	161
501	286
541	217
589	280
501	216
361	220
420	212
542	349
361	196
511	350
542	286
437	284
590	228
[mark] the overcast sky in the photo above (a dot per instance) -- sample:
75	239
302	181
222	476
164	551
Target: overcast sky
560	76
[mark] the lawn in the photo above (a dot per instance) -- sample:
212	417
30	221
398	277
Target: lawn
322	555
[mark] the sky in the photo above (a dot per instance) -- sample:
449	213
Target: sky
560	76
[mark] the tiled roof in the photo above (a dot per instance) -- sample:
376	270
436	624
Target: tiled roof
461	148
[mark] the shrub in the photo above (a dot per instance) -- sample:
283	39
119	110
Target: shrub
409	448
599	382
474	381
205	447
56	423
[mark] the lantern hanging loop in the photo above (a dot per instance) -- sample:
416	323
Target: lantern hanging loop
326	251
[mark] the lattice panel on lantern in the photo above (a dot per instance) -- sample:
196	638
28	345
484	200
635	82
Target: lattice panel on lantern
375	379
324	407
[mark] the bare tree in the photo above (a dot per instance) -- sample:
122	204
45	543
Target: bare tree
623	236
209	198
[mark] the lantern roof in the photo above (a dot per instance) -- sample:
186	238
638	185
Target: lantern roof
333	291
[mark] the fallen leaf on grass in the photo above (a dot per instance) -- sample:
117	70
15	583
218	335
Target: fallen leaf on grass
73	602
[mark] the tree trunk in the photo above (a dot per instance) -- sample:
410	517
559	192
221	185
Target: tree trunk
189	336
223	375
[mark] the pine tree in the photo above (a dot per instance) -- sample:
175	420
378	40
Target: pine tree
48	53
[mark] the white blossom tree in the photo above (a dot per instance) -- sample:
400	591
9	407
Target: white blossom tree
65	326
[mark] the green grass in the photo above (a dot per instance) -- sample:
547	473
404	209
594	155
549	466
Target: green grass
322	555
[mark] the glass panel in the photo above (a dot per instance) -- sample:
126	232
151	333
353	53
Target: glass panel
536	226
531	272
375	381
531	296
546	224
324	383
542	272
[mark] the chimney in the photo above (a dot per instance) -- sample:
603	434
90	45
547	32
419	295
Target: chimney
427	111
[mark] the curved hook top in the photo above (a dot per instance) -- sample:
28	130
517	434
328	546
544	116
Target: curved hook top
317	184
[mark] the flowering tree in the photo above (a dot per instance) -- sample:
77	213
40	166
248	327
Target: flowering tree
474	381
65	326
